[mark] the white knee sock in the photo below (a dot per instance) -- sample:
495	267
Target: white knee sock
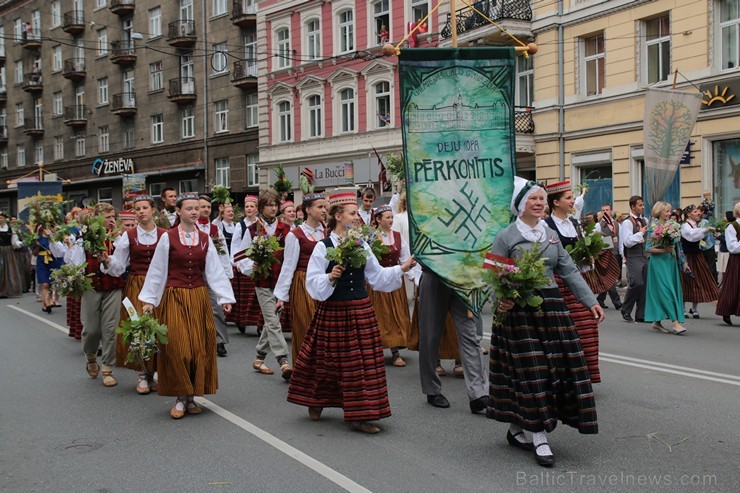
523	438
695	307
539	438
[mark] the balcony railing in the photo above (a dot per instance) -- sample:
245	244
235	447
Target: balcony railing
74	69
123	104
523	121
75	116
182	90
33	126
123	52
244	74
33	82
122	7
31	39
497	10
74	22
244	13
181	33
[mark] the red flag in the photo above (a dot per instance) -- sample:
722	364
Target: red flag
493	261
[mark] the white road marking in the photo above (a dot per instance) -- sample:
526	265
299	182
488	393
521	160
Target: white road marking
648	362
675	372
292	452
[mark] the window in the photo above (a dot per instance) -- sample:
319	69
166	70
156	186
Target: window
56	14
252	108
220	62
157	129
155	76
524	81
188	186
725	156
18	72
222	116
2	41
20	155
58	148
223	178
103	139
346	31
283	48
285	122
155	190
39	153
4	160
19	115
155	22
729	18
383	116
250	52
80	144
593	61
381	21
103	90
419	9
99	4
314	116
188	122
56	61
105	195
313	39
252	175
347	105
219	7
658	49
17	30
129	137
57	106
102	42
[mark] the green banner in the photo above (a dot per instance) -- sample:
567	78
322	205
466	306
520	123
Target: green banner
459	147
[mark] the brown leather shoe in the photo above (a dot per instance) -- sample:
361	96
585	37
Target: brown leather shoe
142	389
92	368
398	361
315	412
286	371
259	365
192	407
176	413
108	380
364	427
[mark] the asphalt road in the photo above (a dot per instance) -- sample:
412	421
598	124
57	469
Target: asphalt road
668	411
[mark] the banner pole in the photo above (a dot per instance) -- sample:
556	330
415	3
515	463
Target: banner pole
675	77
453	20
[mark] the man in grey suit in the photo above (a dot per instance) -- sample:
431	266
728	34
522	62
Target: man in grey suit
632	232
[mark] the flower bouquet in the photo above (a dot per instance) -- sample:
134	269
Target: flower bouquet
65	230
142	336
219	244
45	212
721	227
395	165
665	235
376	243
221	195
517	279
282	185
588	246
95	236
351	250
262	253
71	280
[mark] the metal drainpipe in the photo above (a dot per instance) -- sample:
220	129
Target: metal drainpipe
204	24
561	92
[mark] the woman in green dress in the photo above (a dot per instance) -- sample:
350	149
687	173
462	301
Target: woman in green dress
663	295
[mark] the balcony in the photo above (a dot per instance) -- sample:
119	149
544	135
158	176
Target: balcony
514	15
523	121
244	13
31	39
181	34
74	22
123	52
122	7
75	116
245	75
182	90
74	69
33	82
123	104
33	127
3	134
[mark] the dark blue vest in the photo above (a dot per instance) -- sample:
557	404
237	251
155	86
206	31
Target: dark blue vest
351	286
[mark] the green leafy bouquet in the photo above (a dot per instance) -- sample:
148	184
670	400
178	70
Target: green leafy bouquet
219	244
395	165
262	253
282	185
95	236
71	280
65	230
376	243
221	194
517	279
351	250
721	227
28	237
587	248
142	337
45	212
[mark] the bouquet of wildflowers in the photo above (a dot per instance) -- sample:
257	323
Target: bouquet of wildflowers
588	246
665	235
65	230
95	236
262	253
517	279
351	250
376	243
45	212
71	280
142	336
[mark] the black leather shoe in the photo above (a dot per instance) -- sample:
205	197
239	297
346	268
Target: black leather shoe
479	405
627	317
618	307
438	401
241	328
528	446
544	460
602	305
221	349
726	319
640	320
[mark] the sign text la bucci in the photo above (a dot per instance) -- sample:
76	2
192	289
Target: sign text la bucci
120	166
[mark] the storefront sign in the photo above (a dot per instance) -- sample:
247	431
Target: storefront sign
720	94
333	174
120	166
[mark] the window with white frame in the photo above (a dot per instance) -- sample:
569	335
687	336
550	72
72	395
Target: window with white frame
594	59
383	117
220	63
57	107
155	76
524	81
223	172
222	116
20	155
419	9
157	129
56	14
80	144
2	41
252	171
155	190
17	30
219	7
285	121
381	21
105	195
347	110
251	106
4	160
20	115
188	122
315	121
657	49
99	4
58	148
129	137
250	51
56	59
103	139
155	22
39	153
313	39
102	42
729	23
18	78
103	90
346	31
186	186
282	43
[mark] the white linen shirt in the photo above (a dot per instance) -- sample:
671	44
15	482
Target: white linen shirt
731	239
565	226
246	265
14	241
627	238
236	240
121	257
690	232
225	259
290	259
538	233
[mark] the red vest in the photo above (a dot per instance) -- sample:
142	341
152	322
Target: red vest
187	264
141	255
102	282
392	258
306	245
281	231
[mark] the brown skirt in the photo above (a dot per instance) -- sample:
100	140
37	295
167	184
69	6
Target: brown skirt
729	295
702	288
133	287
187	364
586	328
246	311
302	309
394	319
605	273
448	345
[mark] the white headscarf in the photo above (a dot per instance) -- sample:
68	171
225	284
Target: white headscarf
522	190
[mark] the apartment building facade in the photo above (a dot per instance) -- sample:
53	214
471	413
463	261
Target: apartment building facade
95	89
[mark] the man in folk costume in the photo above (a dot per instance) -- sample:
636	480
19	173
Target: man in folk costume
610	231
272	337
632	234
247	310
100	308
169	199
204	225
366	209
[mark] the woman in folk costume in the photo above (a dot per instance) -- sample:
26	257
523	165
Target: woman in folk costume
291	285
247	309
391	309
560	201
340	363
225	223
699	286
46	261
134	249
663	296
11	275
729	296
271	338
184	262
73	304
538	372
288	213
